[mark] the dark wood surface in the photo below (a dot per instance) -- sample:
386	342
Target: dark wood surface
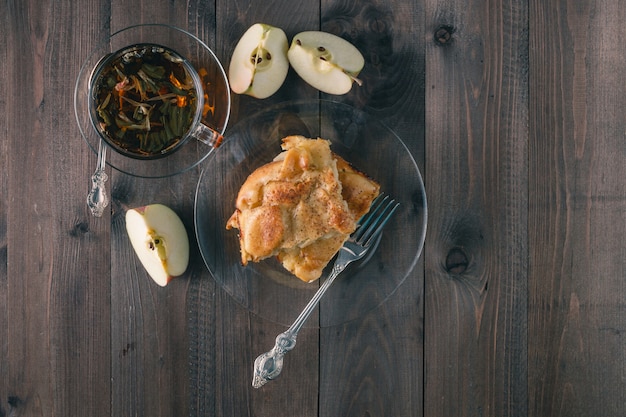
514	112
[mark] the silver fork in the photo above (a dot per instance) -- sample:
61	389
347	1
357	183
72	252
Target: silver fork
268	365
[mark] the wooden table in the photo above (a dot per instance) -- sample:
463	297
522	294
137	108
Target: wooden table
514	112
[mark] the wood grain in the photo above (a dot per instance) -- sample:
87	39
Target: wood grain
476	176
380	356
4	207
514	111
149	343
240	336
577	219
57	315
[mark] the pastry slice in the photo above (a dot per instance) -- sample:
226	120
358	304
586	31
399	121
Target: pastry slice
297	209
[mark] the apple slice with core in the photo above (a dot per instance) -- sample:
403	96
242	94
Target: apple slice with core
160	241
326	61
259	64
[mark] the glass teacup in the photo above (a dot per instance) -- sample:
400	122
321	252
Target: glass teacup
146	101
214	104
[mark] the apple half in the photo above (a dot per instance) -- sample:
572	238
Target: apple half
326	61
259	64
160	241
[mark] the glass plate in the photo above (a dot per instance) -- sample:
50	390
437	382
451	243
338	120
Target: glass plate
199	55
265	288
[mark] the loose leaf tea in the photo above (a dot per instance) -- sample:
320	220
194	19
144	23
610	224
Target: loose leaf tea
145	100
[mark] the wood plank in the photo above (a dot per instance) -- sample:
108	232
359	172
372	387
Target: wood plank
577	222
369	363
5	109
57	319
229	349
203	320
476	175
23	380
149	354
225	337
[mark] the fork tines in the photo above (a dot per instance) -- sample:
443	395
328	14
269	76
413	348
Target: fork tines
369	226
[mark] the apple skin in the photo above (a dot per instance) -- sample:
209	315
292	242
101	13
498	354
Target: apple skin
160	241
259	64
325	61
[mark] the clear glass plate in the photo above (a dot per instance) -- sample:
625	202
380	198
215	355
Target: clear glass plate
265	288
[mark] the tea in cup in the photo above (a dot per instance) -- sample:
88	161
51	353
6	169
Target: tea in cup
146	101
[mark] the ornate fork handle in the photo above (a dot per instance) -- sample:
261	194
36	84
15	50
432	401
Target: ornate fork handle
268	365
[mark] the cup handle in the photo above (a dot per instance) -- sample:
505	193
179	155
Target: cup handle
207	135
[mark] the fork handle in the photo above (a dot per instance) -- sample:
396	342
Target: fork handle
308	309
268	365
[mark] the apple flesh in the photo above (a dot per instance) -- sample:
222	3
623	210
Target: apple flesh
160	241
259	64
326	61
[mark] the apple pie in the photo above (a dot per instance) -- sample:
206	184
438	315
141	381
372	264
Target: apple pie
301	207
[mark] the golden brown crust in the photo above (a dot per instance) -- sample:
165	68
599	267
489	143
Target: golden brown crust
358	190
298	209
307	263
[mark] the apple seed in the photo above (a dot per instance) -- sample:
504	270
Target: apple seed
260	58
